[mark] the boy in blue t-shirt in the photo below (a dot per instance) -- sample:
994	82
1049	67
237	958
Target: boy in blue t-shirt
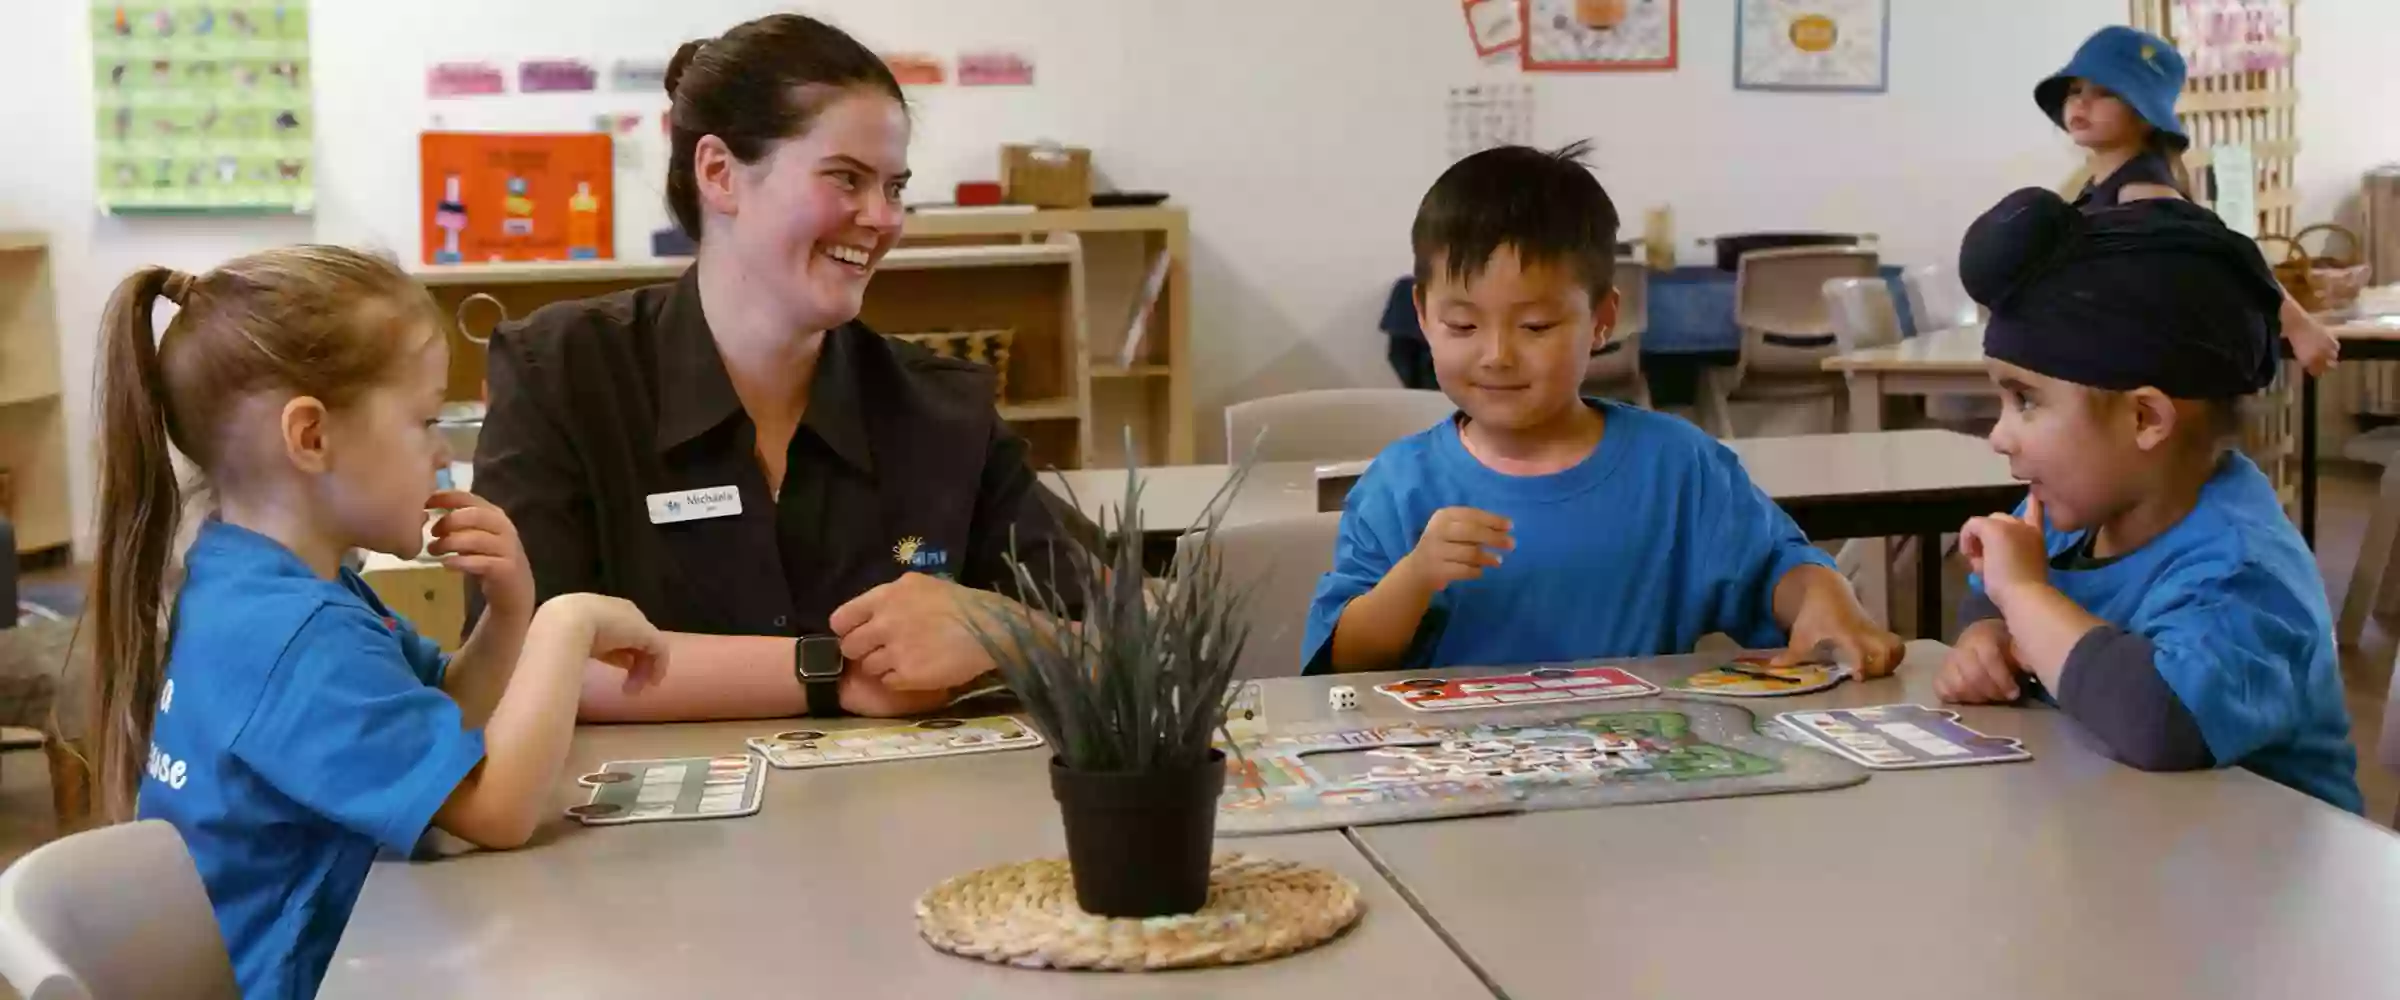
1639	534
2150	582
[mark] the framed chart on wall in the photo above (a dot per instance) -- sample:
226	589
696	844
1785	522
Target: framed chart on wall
490	196
1841	45
1598	35
203	108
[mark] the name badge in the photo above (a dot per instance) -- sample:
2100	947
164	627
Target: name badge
695	505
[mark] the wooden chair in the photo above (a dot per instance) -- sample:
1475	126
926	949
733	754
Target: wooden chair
1779	302
1330	425
2387	749
116	913
1615	370
2375	578
1277	564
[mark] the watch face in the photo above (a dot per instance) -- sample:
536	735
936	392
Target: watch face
820	658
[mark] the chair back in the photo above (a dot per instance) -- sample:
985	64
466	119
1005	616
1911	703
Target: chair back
1937	300
1276	564
115	913
1330	425
1779	302
1862	312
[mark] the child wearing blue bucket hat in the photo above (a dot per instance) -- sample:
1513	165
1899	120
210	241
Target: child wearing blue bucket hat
2116	99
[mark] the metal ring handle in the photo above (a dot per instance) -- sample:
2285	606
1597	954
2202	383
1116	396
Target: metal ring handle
467	331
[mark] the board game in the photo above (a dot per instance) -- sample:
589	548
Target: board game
930	738
1541	685
1758	677
1326	775
1898	737
675	788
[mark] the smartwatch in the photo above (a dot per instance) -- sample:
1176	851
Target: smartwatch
817	662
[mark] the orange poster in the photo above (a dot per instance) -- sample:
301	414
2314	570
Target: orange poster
493	196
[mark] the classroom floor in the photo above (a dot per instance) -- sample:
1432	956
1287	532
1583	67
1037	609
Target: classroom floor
2345	497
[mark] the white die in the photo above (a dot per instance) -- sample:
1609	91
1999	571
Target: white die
1343	697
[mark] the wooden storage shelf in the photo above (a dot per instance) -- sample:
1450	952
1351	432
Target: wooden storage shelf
33	426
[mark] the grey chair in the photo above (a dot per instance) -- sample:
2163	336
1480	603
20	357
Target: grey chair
1277	564
1615	370
2387	748
1779	302
1330	425
116	913
1937	301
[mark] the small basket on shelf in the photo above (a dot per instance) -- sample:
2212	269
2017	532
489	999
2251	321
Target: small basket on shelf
2320	283
984	347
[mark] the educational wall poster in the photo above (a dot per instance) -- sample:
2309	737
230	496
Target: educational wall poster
1813	45
1485	115
638	76
916	69
2231	36
464	79
1495	26
501	197
203	109
1598	35
556	76
995	69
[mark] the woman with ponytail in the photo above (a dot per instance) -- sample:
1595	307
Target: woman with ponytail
2116	99
266	703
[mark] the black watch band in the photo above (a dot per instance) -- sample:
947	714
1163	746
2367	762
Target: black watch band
817	662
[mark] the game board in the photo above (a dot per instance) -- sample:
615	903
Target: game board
1756	677
676	788
1898	737
1653	750
930	738
1541	685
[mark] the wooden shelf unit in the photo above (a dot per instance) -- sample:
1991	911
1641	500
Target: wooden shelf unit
33	426
1152	396
1034	288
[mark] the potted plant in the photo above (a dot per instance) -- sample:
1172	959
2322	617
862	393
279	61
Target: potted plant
1128	679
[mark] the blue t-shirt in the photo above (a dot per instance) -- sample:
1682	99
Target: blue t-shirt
2235	613
1654	540
300	727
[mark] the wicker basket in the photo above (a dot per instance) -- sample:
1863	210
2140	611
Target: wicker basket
2320	283
984	347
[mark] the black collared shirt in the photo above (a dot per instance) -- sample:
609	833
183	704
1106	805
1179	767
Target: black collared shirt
605	409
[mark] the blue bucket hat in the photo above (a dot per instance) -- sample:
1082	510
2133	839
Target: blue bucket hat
2140	68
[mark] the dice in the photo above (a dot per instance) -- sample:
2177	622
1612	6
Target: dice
1343	698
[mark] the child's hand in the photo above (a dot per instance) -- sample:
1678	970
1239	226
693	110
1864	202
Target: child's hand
1844	628
620	636
477	538
1980	669
1459	544
2312	345
2009	551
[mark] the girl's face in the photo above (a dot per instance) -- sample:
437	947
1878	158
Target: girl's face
812	218
380	454
2097	119
2079	450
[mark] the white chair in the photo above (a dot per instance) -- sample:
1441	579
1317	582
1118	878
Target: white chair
1938	301
2387	750
1330	425
1862	313
2375	577
116	913
1779	302
1276	565
1615	370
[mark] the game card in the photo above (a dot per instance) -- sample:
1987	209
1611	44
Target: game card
1756	677
929	738
1898	737
1544	685
650	791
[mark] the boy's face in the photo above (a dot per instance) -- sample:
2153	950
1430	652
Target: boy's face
1510	345
2084	452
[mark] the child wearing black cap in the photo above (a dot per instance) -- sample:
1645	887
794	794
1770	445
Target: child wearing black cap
2150	583
2116	99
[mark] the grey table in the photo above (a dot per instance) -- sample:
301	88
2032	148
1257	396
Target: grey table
810	897
2066	876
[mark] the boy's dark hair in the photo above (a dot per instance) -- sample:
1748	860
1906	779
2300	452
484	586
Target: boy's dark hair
1546	206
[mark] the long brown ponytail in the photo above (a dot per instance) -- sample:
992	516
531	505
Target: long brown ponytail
311	320
2164	146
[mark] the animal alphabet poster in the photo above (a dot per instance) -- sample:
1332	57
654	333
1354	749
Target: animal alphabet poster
203	108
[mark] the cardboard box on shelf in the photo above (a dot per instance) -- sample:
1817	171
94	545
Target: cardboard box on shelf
1048	175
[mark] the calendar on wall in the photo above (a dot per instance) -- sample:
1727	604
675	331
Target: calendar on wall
1485	115
203	108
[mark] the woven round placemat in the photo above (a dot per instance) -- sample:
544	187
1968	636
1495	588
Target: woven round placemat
1024	914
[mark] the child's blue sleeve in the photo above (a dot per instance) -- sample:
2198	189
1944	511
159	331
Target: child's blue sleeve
2227	647
1373	539
1745	545
346	727
425	657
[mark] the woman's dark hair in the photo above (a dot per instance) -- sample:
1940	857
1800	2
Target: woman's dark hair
762	82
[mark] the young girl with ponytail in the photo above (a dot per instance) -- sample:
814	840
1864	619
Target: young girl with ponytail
266	703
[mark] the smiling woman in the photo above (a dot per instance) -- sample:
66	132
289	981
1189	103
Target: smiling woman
735	452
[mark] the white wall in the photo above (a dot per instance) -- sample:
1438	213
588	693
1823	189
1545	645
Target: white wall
1299	134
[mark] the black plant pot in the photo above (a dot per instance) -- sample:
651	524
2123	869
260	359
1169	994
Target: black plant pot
1139	841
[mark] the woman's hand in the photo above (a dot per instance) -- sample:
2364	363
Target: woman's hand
910	634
